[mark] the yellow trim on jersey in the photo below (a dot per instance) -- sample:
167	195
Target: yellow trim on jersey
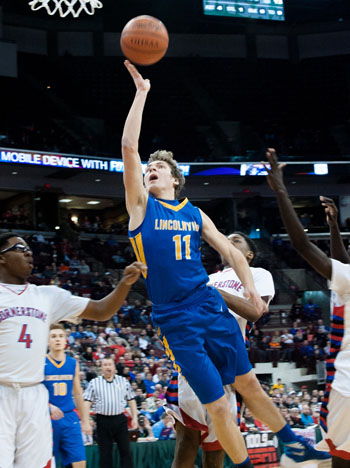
137	245
170	354
62	363
172	207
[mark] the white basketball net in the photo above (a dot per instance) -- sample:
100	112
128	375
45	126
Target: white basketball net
66	7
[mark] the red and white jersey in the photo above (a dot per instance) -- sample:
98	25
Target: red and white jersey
228	281
26	313
340	298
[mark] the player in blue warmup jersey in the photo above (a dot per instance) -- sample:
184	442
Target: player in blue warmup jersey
63	383
200	336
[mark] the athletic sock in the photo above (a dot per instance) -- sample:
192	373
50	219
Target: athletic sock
286	435
246	464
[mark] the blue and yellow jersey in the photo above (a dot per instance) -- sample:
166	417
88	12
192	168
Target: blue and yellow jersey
169	242
59	377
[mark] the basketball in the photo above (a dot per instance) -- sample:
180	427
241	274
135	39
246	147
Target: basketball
144	40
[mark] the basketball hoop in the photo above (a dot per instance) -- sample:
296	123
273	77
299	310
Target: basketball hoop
66	7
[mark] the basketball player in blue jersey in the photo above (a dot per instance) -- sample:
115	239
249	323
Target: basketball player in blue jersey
199	334
63	383
193	427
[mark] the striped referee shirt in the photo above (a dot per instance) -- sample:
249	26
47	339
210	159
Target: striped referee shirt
110	398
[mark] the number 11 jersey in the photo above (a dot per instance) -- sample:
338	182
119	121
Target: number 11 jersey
169	242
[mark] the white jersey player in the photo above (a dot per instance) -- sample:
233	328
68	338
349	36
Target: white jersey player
335	411
228	282
192	414
26	313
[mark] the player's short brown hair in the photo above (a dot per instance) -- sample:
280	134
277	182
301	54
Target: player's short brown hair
57	326
168	157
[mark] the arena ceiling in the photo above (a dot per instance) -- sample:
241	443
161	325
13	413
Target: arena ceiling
185	15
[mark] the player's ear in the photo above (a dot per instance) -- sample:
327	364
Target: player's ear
250	256
2	259
176	182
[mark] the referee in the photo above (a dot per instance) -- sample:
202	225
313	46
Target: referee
110	394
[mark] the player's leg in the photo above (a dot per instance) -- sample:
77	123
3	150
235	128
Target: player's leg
8	423
225	347
226	430
80	464
297	449
258	401
337	424
56	435
34	428
212	453
203	347
205	380
105	440
72	447
121	437
186	448
213	459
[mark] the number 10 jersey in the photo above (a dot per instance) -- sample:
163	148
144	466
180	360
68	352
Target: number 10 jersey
59	377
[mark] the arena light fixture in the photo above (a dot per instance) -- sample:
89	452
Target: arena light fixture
65	200
321	169
93	202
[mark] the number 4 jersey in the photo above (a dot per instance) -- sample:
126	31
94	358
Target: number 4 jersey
59	378
168	241
26	313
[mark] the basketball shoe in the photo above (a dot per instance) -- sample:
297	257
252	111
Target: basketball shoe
300	452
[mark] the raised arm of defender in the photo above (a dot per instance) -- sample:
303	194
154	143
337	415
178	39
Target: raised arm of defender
338	251
309	251
135	193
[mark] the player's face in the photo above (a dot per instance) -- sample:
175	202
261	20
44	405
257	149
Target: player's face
158	178
17	260
241	244
57	340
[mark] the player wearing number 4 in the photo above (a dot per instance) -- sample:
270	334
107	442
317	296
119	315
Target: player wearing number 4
62	382
26	313
199	334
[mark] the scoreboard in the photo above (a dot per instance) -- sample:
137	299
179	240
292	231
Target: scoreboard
258	9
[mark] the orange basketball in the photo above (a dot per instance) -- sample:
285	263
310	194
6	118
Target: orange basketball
144	40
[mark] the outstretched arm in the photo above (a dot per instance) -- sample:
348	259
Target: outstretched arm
79	401
105	308
312	254
242	307
235	259
135	192
337	245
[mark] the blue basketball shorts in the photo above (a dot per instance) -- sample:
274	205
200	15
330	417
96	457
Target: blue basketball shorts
67	439
205	344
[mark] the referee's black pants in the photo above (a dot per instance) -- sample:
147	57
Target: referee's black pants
113	429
